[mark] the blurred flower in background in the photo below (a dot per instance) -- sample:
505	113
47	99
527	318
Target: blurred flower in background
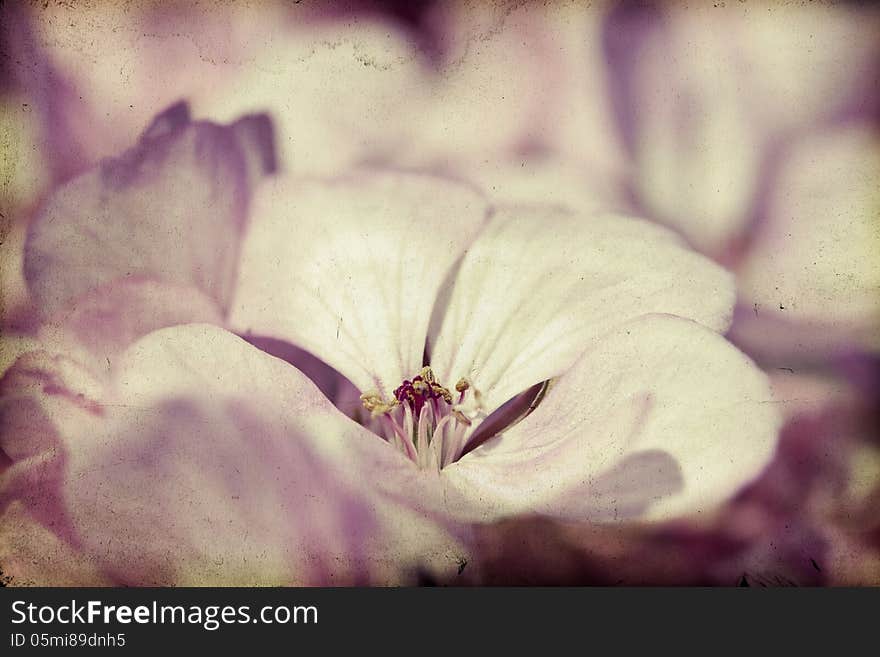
751	129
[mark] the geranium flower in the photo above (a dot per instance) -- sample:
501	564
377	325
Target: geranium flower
510	360
393	283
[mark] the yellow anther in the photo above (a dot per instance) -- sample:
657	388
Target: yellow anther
462	385
427	375
374	403
443	392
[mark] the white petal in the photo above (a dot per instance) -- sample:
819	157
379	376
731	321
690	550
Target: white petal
662	417
101	324
539	286
349	269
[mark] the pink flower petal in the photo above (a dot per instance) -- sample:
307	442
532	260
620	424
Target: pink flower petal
207	461
33	555
101	324
173	207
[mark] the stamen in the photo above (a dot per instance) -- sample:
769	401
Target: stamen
374	403
422	421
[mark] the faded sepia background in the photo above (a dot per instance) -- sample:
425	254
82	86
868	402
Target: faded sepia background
751	128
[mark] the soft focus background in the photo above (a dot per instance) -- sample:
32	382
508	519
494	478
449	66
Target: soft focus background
752	128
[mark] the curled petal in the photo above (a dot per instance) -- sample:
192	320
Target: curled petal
173	207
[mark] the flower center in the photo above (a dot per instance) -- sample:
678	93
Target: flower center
424	420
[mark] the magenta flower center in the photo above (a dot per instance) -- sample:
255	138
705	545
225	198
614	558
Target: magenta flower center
424	420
